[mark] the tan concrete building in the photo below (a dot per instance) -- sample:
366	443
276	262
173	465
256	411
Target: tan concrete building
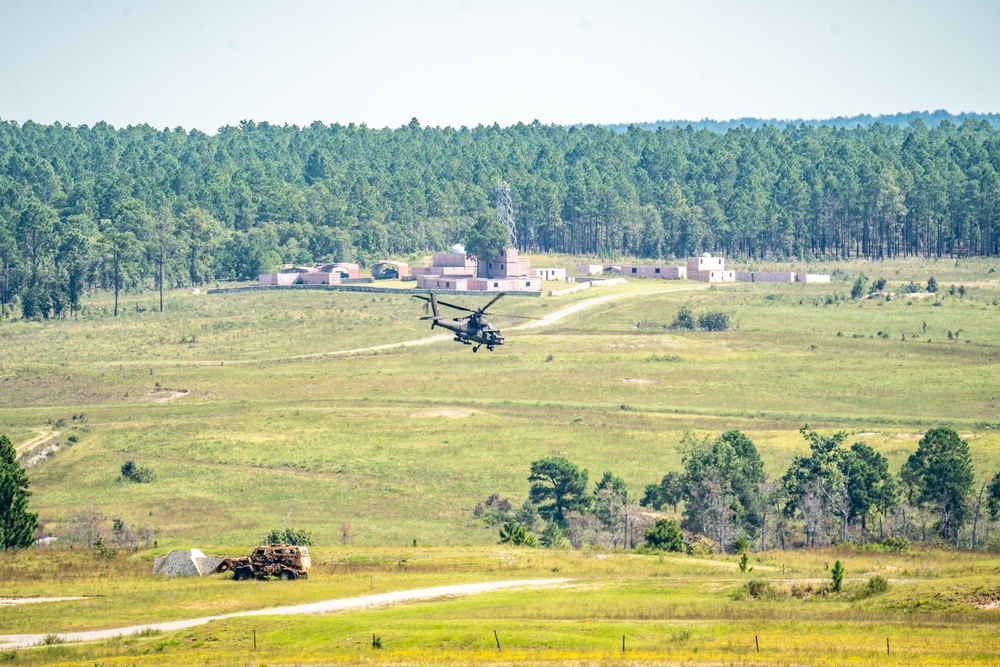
456	270
549	274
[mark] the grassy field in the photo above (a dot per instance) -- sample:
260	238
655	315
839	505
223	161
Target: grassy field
670	608
241	404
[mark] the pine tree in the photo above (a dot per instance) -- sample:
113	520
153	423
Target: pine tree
17	524
837	576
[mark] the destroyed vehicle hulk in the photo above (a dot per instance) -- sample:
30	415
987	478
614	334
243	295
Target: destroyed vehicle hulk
283	561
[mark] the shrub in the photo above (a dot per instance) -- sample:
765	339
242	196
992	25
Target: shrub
684	319
514	533
758	589
133	472
895	545
877	585
665	535
714	320
300	537
701	546
741	545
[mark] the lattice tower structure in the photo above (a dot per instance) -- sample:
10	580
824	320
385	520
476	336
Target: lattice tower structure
505	212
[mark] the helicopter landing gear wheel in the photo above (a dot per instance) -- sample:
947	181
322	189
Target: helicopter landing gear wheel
476	348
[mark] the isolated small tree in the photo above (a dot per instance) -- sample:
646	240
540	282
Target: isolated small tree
684	319
860	285
878	285
17	524
837	576
932	285
665	535
744	561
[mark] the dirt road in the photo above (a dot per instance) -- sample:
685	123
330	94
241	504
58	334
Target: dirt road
8	642
30	444
548	320
552	318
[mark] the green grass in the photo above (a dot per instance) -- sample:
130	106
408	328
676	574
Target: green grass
402	443
670	607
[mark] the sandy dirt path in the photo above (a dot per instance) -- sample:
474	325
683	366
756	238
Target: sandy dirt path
552	318
8	642
44	436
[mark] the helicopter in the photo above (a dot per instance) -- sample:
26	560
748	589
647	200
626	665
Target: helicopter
471	329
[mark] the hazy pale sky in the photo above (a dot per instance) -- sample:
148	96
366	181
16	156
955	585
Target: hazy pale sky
206	64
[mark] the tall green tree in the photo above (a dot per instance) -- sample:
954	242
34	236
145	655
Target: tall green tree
487	238
557	487
201	234
722	480
17	524
942	474
162	246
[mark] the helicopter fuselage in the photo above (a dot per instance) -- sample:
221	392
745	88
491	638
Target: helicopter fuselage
473	329
469	331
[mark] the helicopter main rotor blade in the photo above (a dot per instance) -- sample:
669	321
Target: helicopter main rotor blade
451	305
518	317
443	303
492	301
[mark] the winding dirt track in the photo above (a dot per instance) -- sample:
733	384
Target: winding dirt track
8	642
548	320
30	444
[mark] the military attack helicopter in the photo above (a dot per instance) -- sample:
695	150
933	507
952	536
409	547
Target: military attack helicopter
471	329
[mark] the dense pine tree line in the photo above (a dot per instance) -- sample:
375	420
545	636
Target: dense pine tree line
117	208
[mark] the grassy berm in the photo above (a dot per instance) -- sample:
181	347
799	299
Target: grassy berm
240	404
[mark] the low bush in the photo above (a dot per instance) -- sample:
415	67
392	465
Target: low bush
665	535
133	472
877	585
895	545
301	538
714	320
758	589
684	319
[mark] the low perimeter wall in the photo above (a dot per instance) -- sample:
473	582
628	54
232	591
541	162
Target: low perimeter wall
361	288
